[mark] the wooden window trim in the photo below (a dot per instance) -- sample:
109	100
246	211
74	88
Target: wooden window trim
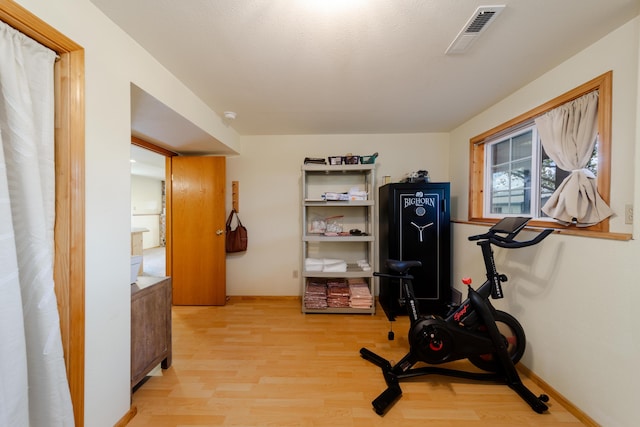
69	256
603	84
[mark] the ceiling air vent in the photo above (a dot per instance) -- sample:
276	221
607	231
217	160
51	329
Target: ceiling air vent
479	21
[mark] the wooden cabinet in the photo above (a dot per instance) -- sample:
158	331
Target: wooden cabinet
338	238
150	326
414	225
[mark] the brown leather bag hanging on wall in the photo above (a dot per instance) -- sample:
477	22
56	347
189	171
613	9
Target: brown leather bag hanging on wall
236	239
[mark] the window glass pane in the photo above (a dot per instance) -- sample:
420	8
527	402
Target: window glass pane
513	202
499	201
522	145
511	174
500	178
519	202
548	180
500	152
593	161
521	174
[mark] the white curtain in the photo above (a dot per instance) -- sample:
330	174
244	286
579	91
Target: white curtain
568	134
33	385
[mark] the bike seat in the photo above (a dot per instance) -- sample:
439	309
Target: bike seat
402	266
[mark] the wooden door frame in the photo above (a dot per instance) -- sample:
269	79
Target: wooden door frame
167	194
69	257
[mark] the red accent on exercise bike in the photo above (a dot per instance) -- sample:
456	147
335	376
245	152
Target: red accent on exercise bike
461	312
436	345
467	281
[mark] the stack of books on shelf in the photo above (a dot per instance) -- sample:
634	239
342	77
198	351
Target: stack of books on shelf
315	294
359	294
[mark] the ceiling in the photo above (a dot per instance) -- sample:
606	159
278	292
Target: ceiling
354	66
154	122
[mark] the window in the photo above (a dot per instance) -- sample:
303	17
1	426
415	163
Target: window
510	162
521	177
511	175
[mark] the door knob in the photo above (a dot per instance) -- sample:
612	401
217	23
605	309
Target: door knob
219	232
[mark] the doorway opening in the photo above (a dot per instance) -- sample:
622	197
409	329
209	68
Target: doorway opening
148	212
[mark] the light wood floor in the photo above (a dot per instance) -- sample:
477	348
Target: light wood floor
260	362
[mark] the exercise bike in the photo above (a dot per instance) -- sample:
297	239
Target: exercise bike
492	340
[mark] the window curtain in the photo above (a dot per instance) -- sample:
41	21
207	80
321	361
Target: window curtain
34	390
568	134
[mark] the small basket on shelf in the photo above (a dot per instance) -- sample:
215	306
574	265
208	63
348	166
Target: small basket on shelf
368	160
351	160
336	160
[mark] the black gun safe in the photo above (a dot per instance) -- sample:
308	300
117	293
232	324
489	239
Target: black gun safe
414	225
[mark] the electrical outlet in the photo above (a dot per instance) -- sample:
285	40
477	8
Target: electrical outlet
628	214
295	274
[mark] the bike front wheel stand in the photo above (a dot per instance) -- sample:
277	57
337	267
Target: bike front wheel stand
387	398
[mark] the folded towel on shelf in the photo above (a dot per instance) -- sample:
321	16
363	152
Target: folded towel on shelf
364	265
313	264
328	265
335	267
359	294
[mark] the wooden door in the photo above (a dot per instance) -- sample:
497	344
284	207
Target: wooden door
198	260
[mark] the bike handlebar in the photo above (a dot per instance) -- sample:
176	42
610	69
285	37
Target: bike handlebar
508	242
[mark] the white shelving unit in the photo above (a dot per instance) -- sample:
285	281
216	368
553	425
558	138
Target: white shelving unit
351	215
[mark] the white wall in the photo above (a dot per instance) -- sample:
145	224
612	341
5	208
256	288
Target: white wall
270	196
576	297
112	62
